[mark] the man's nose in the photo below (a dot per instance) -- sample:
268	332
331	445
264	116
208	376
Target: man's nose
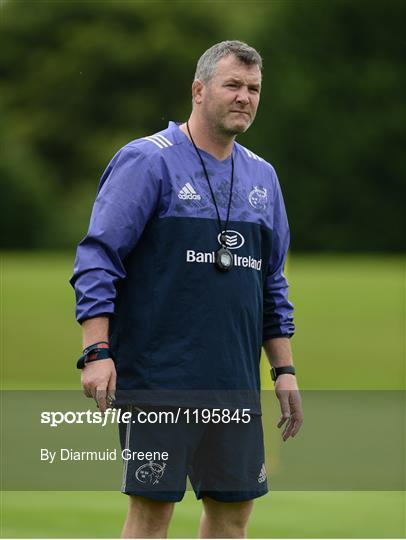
243	96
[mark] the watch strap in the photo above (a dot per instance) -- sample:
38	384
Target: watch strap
276	371
97	345
95	353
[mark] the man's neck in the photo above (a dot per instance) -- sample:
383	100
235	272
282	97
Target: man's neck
219	147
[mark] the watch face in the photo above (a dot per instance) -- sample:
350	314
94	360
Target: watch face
225	259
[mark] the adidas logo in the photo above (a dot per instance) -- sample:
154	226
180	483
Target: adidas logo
188	192
159	140
262	474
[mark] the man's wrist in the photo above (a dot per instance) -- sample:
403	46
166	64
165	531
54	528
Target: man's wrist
97	351
282	370
96	345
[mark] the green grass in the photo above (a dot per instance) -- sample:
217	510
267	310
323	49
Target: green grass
349	315
281	514
350	333
350	321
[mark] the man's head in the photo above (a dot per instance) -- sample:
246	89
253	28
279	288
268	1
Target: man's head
227	87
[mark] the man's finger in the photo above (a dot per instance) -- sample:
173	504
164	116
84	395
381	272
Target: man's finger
284	418
111	390
296	418
87	392
287	431
100	397
285	407
297	413
297	422
289	428
293	427
296	426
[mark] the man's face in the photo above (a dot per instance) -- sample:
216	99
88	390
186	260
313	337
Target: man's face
230	99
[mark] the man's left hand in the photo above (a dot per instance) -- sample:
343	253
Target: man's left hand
287	392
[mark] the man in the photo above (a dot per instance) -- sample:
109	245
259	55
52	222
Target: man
180	279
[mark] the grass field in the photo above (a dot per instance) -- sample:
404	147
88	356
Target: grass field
350	325
349	317
282	514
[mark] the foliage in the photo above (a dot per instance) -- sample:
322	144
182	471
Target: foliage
81	79
336	125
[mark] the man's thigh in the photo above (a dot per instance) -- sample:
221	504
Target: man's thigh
236	513
150	509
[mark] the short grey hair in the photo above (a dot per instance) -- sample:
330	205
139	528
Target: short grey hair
207	63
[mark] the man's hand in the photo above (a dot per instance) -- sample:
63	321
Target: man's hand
99	381
291	405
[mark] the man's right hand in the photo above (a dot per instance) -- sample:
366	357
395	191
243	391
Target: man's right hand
99	381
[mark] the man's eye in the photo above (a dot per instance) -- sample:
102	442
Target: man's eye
231	85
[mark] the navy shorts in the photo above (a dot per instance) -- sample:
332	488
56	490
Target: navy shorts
223	459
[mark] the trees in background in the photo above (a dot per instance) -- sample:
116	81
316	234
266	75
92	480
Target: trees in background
336	123
79	80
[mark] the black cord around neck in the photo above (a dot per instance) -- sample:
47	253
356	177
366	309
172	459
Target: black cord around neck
222	240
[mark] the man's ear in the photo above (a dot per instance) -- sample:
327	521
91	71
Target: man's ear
197	90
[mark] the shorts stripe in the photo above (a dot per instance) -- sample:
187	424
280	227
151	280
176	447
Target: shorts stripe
127	447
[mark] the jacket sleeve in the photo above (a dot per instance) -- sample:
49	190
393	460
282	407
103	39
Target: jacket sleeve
278	311
127	198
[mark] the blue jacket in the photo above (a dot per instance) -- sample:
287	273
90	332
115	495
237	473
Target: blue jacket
177	323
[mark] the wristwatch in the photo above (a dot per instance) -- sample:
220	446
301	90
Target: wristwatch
97	351
276	371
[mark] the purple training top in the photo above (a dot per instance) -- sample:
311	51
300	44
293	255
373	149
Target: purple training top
177	323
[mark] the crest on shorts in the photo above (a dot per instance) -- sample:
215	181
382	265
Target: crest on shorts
258	198
150	473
